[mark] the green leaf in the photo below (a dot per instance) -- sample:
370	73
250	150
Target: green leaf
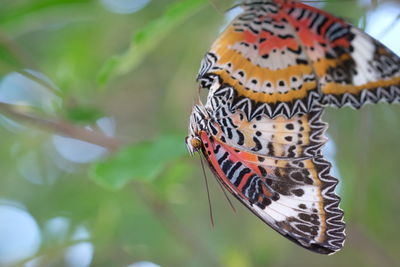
84	114
18	11
141	161
173	175
146	39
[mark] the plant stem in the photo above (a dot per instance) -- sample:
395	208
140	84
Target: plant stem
64	128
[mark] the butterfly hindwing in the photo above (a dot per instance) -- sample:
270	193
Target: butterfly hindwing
294	195
259	59
352	68
286	58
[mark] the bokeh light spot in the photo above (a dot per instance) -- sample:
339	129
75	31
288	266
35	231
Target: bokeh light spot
20	235
124	6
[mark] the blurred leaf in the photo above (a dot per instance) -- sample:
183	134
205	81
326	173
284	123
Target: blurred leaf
175	174
140	161
236	258
171	184
15	10
146	39
84	114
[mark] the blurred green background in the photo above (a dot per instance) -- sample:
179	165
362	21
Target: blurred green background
121	73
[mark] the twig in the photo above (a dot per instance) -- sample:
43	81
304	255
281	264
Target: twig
16	51
61	127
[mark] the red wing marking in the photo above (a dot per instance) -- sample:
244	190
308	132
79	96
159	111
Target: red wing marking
284	193
286	58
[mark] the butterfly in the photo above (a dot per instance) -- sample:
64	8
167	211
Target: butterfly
269	77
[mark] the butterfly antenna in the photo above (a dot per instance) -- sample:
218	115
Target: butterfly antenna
227	197
208	193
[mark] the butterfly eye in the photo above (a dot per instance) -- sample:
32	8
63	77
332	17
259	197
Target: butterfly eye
193	144
196	143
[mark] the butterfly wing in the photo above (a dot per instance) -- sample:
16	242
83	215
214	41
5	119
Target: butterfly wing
352	68
260	60
277	171
269	75
285	58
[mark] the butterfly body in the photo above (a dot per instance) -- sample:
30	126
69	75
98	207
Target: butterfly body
269	77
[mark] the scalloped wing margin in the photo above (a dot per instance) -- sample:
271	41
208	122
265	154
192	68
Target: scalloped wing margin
295	196
286	58
353	68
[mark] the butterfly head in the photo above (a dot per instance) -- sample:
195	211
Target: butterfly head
193	144
197	123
